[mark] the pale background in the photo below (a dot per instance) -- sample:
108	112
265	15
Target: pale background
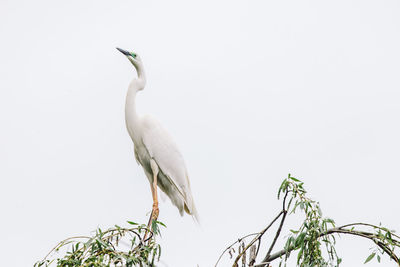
250	90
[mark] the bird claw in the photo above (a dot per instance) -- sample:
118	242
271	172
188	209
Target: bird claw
154	213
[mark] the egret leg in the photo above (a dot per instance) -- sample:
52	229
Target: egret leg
153	186
155	211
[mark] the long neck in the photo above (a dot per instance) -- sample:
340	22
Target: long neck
132	120
140	73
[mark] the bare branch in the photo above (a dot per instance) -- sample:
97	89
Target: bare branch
280	226
258	237
234	243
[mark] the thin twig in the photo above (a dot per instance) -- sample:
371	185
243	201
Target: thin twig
229	247
258	237
60	244
370	225
278	232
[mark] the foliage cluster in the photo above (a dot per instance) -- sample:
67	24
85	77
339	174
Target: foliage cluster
116	246
310	235
313	242
315	235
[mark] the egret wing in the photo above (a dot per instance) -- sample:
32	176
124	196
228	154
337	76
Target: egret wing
164	151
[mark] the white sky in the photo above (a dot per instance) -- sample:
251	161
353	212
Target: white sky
250	90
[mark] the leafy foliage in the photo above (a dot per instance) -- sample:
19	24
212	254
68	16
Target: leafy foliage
315	235
309	237
116	246
119	246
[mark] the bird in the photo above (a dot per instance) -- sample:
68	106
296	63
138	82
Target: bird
156	151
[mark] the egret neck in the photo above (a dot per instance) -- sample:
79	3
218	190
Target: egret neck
131	117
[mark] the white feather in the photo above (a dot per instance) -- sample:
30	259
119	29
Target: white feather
154	144
164	151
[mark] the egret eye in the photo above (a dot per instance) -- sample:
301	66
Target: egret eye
133	54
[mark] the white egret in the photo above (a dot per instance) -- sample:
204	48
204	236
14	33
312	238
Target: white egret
155	150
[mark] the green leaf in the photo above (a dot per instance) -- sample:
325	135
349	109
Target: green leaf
329	220
379	258
154	227
300	239
319	211
161	224
294	179
133	223
282	188
370	257
299	255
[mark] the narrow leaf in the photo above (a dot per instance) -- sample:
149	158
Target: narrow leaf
370	257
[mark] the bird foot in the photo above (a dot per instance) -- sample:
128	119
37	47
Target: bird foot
153	217
154	212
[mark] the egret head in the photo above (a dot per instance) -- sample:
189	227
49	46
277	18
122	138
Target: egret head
133	58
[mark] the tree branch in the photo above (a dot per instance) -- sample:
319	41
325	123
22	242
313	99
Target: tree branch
229	247
256	238
337	230
278	232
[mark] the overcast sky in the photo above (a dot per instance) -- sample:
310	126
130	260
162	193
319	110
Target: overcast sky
250	91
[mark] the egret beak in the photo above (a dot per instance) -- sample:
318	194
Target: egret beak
126	53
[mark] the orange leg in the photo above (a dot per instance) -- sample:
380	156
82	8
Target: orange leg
155	211
153	186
